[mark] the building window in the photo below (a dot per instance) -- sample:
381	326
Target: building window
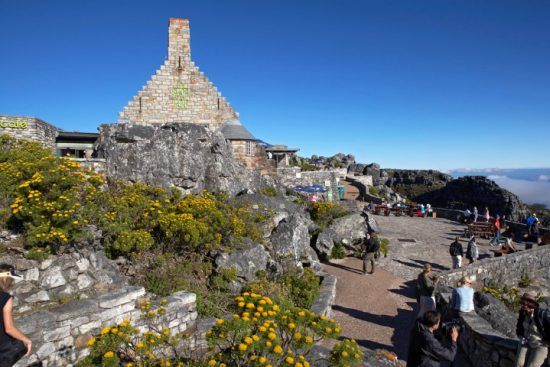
249	148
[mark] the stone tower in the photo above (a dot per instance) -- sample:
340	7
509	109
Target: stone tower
178	92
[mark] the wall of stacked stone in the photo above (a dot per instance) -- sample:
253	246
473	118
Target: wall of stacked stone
178	91
79	273
256	161
60	334
292	176
31	128
96	164
505	270
483	345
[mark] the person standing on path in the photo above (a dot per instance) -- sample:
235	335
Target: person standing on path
533	330
424	349
456	252
496	229
472	251
476	214
425	290
487	215
369	248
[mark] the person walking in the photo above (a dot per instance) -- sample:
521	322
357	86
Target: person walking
472	251
369	248
424	349
425	284
476	214
533	330
496	230
487	215
462	298
456	251
13	343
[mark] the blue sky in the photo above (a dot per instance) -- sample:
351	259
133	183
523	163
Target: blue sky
408	84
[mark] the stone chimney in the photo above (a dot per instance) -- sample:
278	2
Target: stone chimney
179	51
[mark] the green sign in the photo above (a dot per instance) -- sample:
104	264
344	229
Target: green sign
5	124
180	96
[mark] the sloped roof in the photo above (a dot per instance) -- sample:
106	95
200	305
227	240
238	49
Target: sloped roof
234	130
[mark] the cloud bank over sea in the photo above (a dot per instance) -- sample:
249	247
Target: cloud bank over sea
532	185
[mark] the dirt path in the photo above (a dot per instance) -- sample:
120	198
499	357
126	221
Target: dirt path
376	309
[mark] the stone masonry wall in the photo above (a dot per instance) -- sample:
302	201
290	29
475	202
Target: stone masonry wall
96	164
292	176
178	92
485	346
31	128
258	159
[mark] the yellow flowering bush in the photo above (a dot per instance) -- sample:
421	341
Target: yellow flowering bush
345	354
264	334
324	213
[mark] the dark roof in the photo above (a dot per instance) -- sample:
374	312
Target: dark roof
234	130
76	134
281	150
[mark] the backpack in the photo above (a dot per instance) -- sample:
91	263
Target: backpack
453	250
373	245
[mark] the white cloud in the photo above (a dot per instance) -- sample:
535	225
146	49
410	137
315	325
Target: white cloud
543	178
528	191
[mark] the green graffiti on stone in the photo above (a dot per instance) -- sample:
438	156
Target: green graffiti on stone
180	96
4	124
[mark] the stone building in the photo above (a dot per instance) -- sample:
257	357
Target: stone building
245	146
178	91
31	128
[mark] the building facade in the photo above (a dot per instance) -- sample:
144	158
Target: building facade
31	128
178	91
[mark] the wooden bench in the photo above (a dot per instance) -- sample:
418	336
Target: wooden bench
382	209
483	230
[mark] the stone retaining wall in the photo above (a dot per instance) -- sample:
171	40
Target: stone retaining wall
323	304
60	334
505	270
292	176
96	164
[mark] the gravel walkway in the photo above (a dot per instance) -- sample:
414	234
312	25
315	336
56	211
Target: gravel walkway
378	310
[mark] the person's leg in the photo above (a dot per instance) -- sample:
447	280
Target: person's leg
432	305
455	262
459	261
520	358
536	357
365	264
372	263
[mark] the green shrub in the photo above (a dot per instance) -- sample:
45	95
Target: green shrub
324	213
373	191
132	242
308	167
303	288
384	244
525	281
337	252
269	191
345	353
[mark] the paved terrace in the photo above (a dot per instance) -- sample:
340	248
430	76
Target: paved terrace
379	310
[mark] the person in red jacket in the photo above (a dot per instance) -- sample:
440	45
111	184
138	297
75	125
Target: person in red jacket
496	228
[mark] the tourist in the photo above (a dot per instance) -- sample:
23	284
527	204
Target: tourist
369	247
462	299
472	251
422	210
487	215
509	247
529	222
496	230
503	224
456	252
13	343
533	330
535	226
467	215
429	210
425	290
476	214
424	349
372	206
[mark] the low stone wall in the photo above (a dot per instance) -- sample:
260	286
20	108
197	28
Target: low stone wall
505	270
327	293
363	183
292	176
483	345
79	273
96	164
60	334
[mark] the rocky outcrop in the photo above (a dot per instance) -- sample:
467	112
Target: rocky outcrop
497	314
246	261
348	231
187	156
470	191
413	183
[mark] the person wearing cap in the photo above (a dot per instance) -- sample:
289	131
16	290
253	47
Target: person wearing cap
425	290
13	343
533	330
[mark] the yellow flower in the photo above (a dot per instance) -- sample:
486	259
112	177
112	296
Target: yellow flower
344	354
109	355
250	305
248	340
91	342
242	347
309	339
298	364
271	336
211	362
219	321
297	336
289	360
262	360
139	345
105	330
291	326
278	349
262	329
328	330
